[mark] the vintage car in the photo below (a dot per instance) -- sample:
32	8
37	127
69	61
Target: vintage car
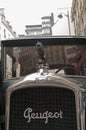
43	83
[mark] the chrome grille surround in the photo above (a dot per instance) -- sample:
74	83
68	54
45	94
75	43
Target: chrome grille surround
48	80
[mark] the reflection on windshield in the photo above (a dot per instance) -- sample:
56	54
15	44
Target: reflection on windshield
21	61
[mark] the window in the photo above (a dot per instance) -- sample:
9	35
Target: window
4	33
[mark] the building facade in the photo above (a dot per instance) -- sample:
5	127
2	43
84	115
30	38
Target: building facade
6	30
43	29
47	23
78	15
32	30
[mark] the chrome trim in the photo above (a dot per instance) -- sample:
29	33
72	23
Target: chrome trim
82	111
46	79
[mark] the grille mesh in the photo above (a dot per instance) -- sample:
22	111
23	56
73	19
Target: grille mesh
41	99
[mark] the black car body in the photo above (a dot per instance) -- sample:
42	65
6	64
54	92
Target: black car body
45	99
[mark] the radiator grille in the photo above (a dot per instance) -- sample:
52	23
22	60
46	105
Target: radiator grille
42	99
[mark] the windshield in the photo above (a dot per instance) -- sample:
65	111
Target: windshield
66	59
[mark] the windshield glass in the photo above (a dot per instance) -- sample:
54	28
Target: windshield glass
67	59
